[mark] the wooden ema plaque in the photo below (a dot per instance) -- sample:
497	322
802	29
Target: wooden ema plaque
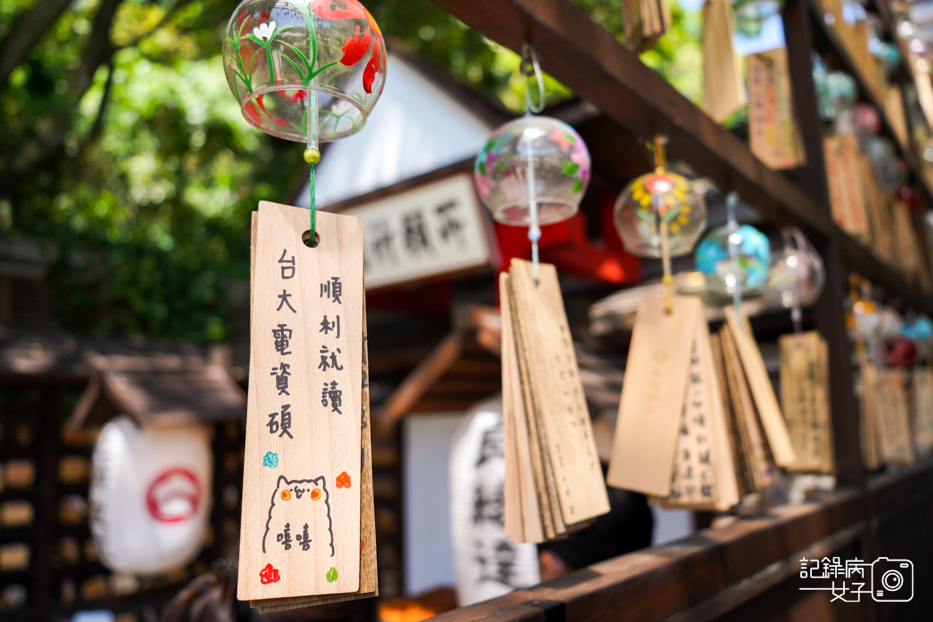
805	399
868	429
723	91
757	460
705	474
307	528
653	393
769	411
892	418
922	409
772	126
845	186
553	480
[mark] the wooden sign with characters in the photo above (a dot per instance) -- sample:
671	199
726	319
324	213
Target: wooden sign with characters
307	485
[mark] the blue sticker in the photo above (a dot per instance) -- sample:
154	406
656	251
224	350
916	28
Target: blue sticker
270	460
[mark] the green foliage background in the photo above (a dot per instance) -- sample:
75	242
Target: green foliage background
139	180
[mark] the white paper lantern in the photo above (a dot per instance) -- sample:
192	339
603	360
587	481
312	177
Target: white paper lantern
150	496
488	563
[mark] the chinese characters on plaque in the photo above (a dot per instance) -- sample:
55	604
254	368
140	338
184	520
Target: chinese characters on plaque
553	478
307	489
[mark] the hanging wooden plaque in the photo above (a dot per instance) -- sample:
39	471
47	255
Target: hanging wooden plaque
805	400
759	460
892	418
723	91
922	402
704	471
653	395
742	476
524	518
553	480
879	214
557	392
845	188
868	427
305	454
773	130
762	391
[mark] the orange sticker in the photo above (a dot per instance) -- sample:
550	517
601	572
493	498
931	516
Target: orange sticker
286	495
343	480
315	494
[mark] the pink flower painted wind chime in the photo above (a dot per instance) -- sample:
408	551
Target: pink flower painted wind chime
310	71
534	170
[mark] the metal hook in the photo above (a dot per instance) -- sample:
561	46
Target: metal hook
531	69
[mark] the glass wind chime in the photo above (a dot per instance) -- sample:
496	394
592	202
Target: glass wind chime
534	170
310	71
734	257
659	215
796	277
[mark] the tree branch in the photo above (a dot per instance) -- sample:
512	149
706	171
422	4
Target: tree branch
25	31
45	147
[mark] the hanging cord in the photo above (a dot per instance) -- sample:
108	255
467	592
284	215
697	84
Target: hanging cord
791	240
660	166
312	157
735	242
532	70
855	296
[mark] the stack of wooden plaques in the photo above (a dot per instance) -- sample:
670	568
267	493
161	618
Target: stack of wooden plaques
921	407
871	215
308	524
885	417
699	424
645	21
553	479
805	399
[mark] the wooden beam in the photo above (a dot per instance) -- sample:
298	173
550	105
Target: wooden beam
589	60
709	570
422	378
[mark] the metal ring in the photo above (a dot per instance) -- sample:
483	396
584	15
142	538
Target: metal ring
531	69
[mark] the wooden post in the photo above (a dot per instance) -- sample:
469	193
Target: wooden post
48	436
812	178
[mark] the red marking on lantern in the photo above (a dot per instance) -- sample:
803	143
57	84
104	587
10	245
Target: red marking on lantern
168	489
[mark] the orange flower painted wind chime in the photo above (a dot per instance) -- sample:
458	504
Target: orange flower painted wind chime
310	71
534	171
305	70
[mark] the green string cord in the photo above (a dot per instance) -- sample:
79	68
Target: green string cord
312	207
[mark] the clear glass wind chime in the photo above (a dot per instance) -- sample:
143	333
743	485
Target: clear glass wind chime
310	71
534	170
796	277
